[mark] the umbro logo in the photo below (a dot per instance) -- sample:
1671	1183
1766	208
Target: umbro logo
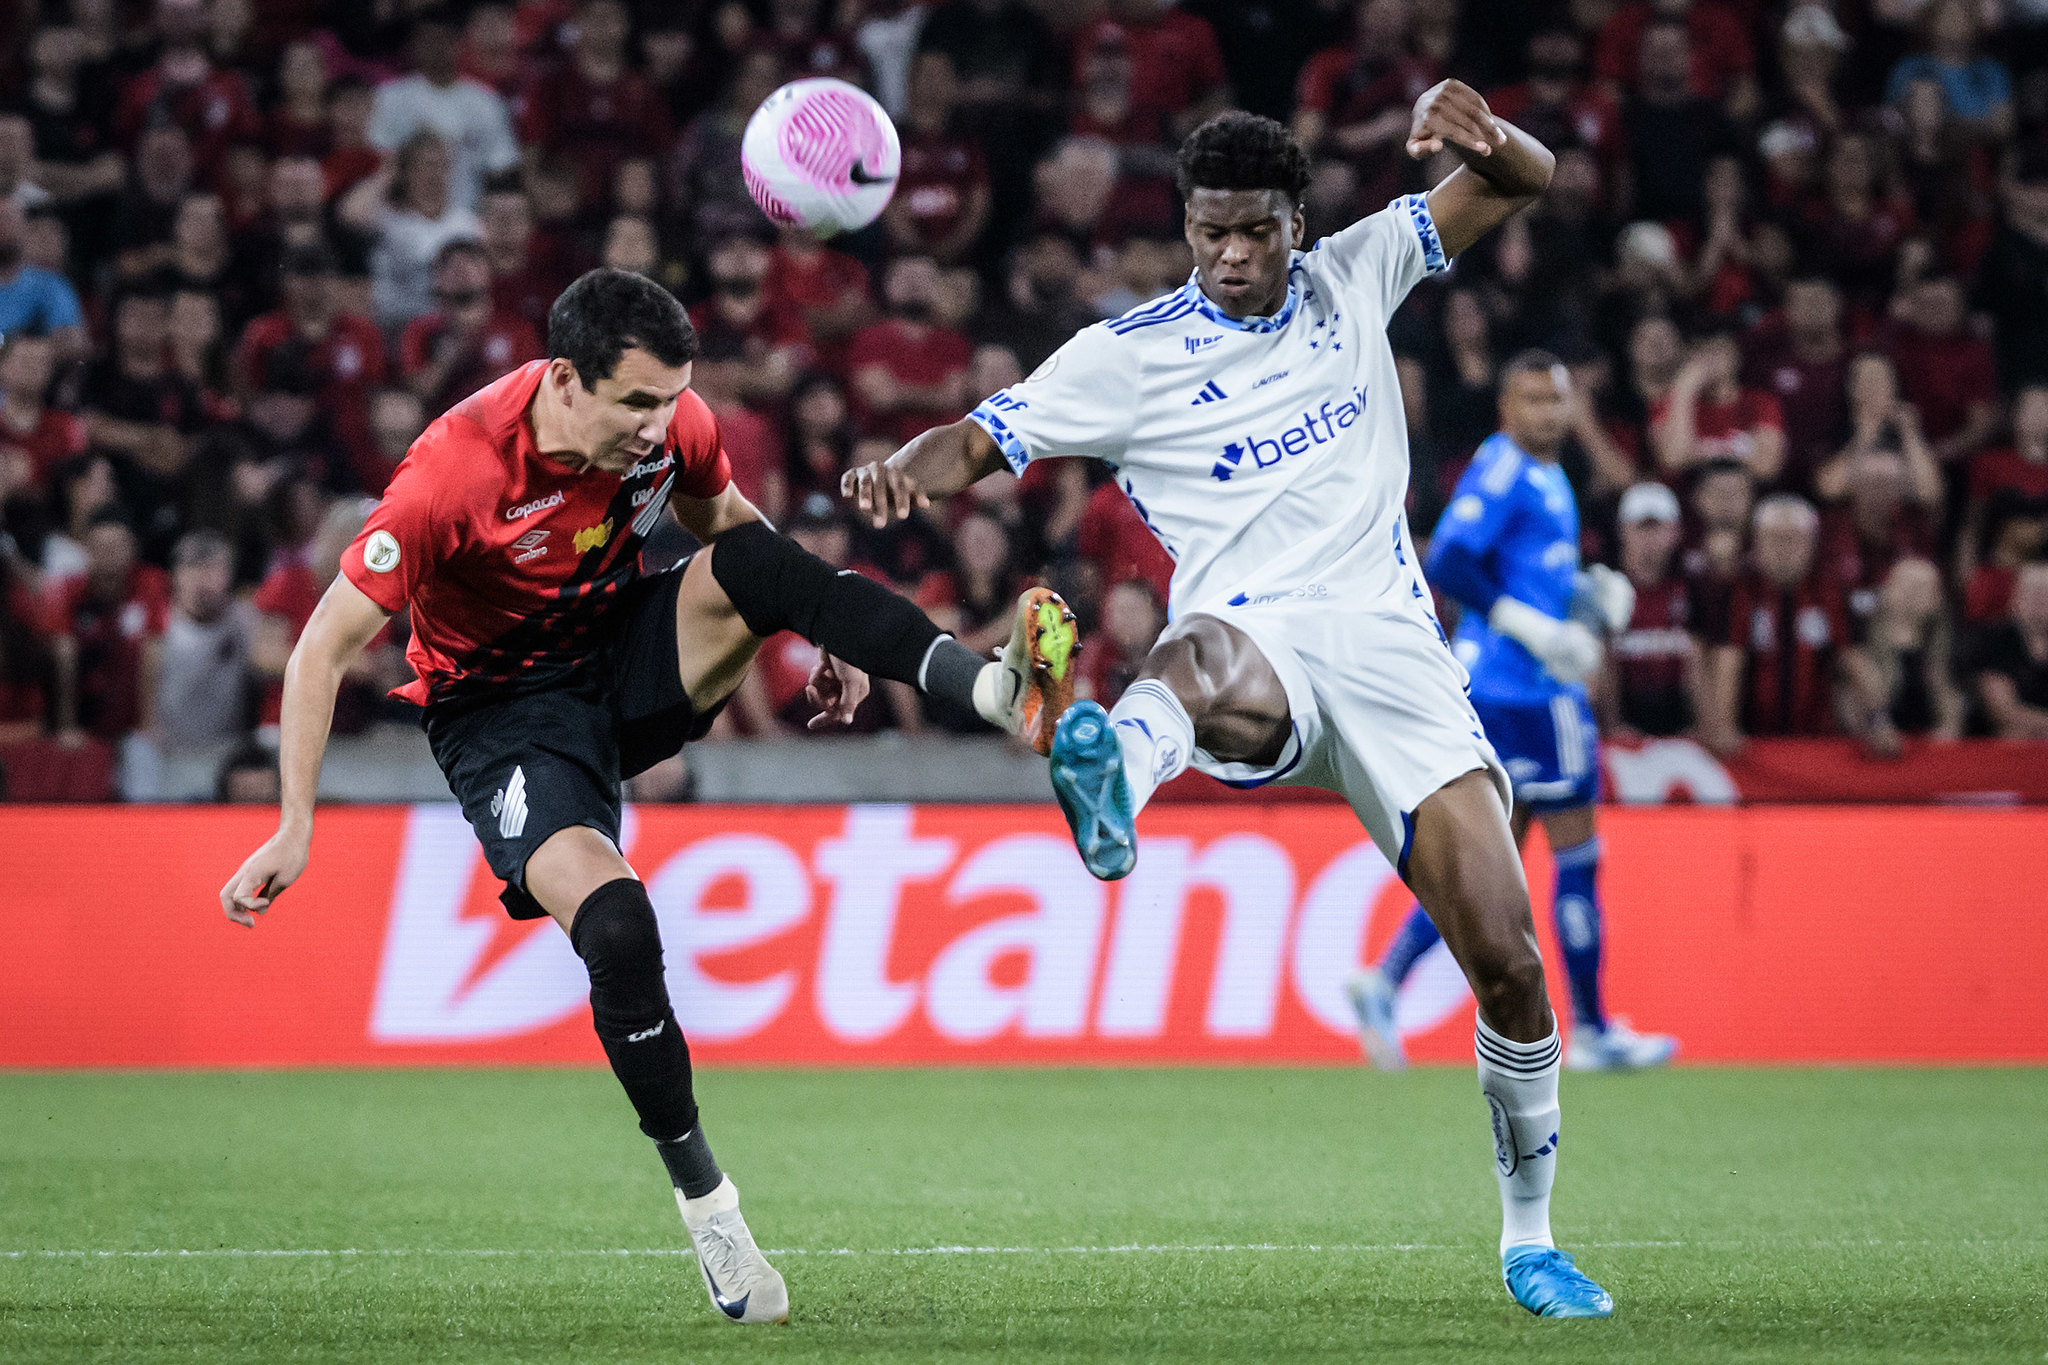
530	546
1211	392
1195	344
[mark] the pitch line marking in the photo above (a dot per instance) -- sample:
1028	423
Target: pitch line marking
1119	1249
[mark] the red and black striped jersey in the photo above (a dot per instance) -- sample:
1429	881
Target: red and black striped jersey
511	561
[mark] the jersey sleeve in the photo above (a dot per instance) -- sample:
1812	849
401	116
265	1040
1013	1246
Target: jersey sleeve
1385	254
1483	502
702	467
1081	401
416	527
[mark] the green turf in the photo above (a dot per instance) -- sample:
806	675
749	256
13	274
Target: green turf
1735	1215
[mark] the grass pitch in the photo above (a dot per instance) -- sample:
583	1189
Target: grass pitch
1018	1215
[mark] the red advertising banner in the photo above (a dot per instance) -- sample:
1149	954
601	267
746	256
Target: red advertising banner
1984	772
966	935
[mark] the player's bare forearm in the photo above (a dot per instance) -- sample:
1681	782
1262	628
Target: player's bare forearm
1503	169
936	464
341	627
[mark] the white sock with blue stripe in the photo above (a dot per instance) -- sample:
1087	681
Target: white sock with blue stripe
1157	737
1519	1081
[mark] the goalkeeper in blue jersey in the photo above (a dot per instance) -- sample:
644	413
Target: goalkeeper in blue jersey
1507	549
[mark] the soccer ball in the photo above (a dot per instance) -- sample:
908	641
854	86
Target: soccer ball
821	154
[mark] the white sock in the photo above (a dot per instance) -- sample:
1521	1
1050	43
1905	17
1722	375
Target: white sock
1157	737
1519	1081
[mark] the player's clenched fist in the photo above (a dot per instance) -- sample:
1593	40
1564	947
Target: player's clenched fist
1452	112
884	492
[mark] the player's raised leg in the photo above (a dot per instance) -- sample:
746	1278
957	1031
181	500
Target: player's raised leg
755	582
1463	864
1205	685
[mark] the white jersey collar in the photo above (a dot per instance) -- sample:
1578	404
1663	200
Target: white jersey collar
1261	324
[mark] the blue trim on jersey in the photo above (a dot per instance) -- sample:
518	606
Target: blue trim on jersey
1253	783
1271	324
1425	228
1407	844
1164	309
1006	440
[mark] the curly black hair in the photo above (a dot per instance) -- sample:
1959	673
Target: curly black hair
606	311
1240	151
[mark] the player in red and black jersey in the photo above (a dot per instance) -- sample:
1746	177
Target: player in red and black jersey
552	666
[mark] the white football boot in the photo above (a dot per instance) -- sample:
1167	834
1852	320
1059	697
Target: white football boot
1617	1048
741	1283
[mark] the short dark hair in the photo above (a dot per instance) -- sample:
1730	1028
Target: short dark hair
1535	360
1240	151
606	311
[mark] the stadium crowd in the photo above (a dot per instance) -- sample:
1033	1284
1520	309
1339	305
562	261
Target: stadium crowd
1795	258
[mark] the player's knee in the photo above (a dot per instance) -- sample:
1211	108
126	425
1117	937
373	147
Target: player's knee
770	580
1507	981
616	935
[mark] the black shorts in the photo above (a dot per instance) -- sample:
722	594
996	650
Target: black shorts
548	760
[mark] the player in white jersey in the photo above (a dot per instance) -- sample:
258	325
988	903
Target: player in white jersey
1254	419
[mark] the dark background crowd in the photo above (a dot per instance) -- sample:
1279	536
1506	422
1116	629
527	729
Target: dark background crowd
1794	256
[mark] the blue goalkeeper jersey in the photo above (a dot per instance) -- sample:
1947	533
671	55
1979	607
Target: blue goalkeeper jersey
1511	530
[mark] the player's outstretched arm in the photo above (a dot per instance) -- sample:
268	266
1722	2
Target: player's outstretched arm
1505	169
937	464
342	625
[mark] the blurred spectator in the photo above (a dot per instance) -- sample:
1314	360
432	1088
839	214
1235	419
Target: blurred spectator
297	123
1130	623
1948	373
1672	129
249	776
81	489
1853	231
1557	104
467	118
1799	356
1707	415
33	299
1901	669
1946	174
827	289
341	356
1978	88
197	672
396	420
1354	102
1811	45
143	412
34	436
1775	672
908	374
975	600
160	178
1881	420
591	107
821	437
409	209
27	671
351	157
1653	681
17	164
1719	62
466	342
524	280
750	347
1116	544
106	619
183	89
1462	394
2013	284
199	349
1176	67
942	197
2008	494
75	160
2012	677
1722	501
1035	311
489	50
1887	514
705	182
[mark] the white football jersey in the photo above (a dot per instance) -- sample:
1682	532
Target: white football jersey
1269	455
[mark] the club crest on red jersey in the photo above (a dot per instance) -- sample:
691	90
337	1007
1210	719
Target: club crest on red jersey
592	537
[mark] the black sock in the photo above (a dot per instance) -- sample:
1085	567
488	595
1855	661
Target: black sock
614	932
775	584
691	1167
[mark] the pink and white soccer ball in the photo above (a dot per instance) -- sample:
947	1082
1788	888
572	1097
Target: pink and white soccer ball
821	154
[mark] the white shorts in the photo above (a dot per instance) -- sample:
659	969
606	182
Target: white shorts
1378	705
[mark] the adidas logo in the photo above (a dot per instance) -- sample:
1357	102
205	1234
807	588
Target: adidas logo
1211	392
